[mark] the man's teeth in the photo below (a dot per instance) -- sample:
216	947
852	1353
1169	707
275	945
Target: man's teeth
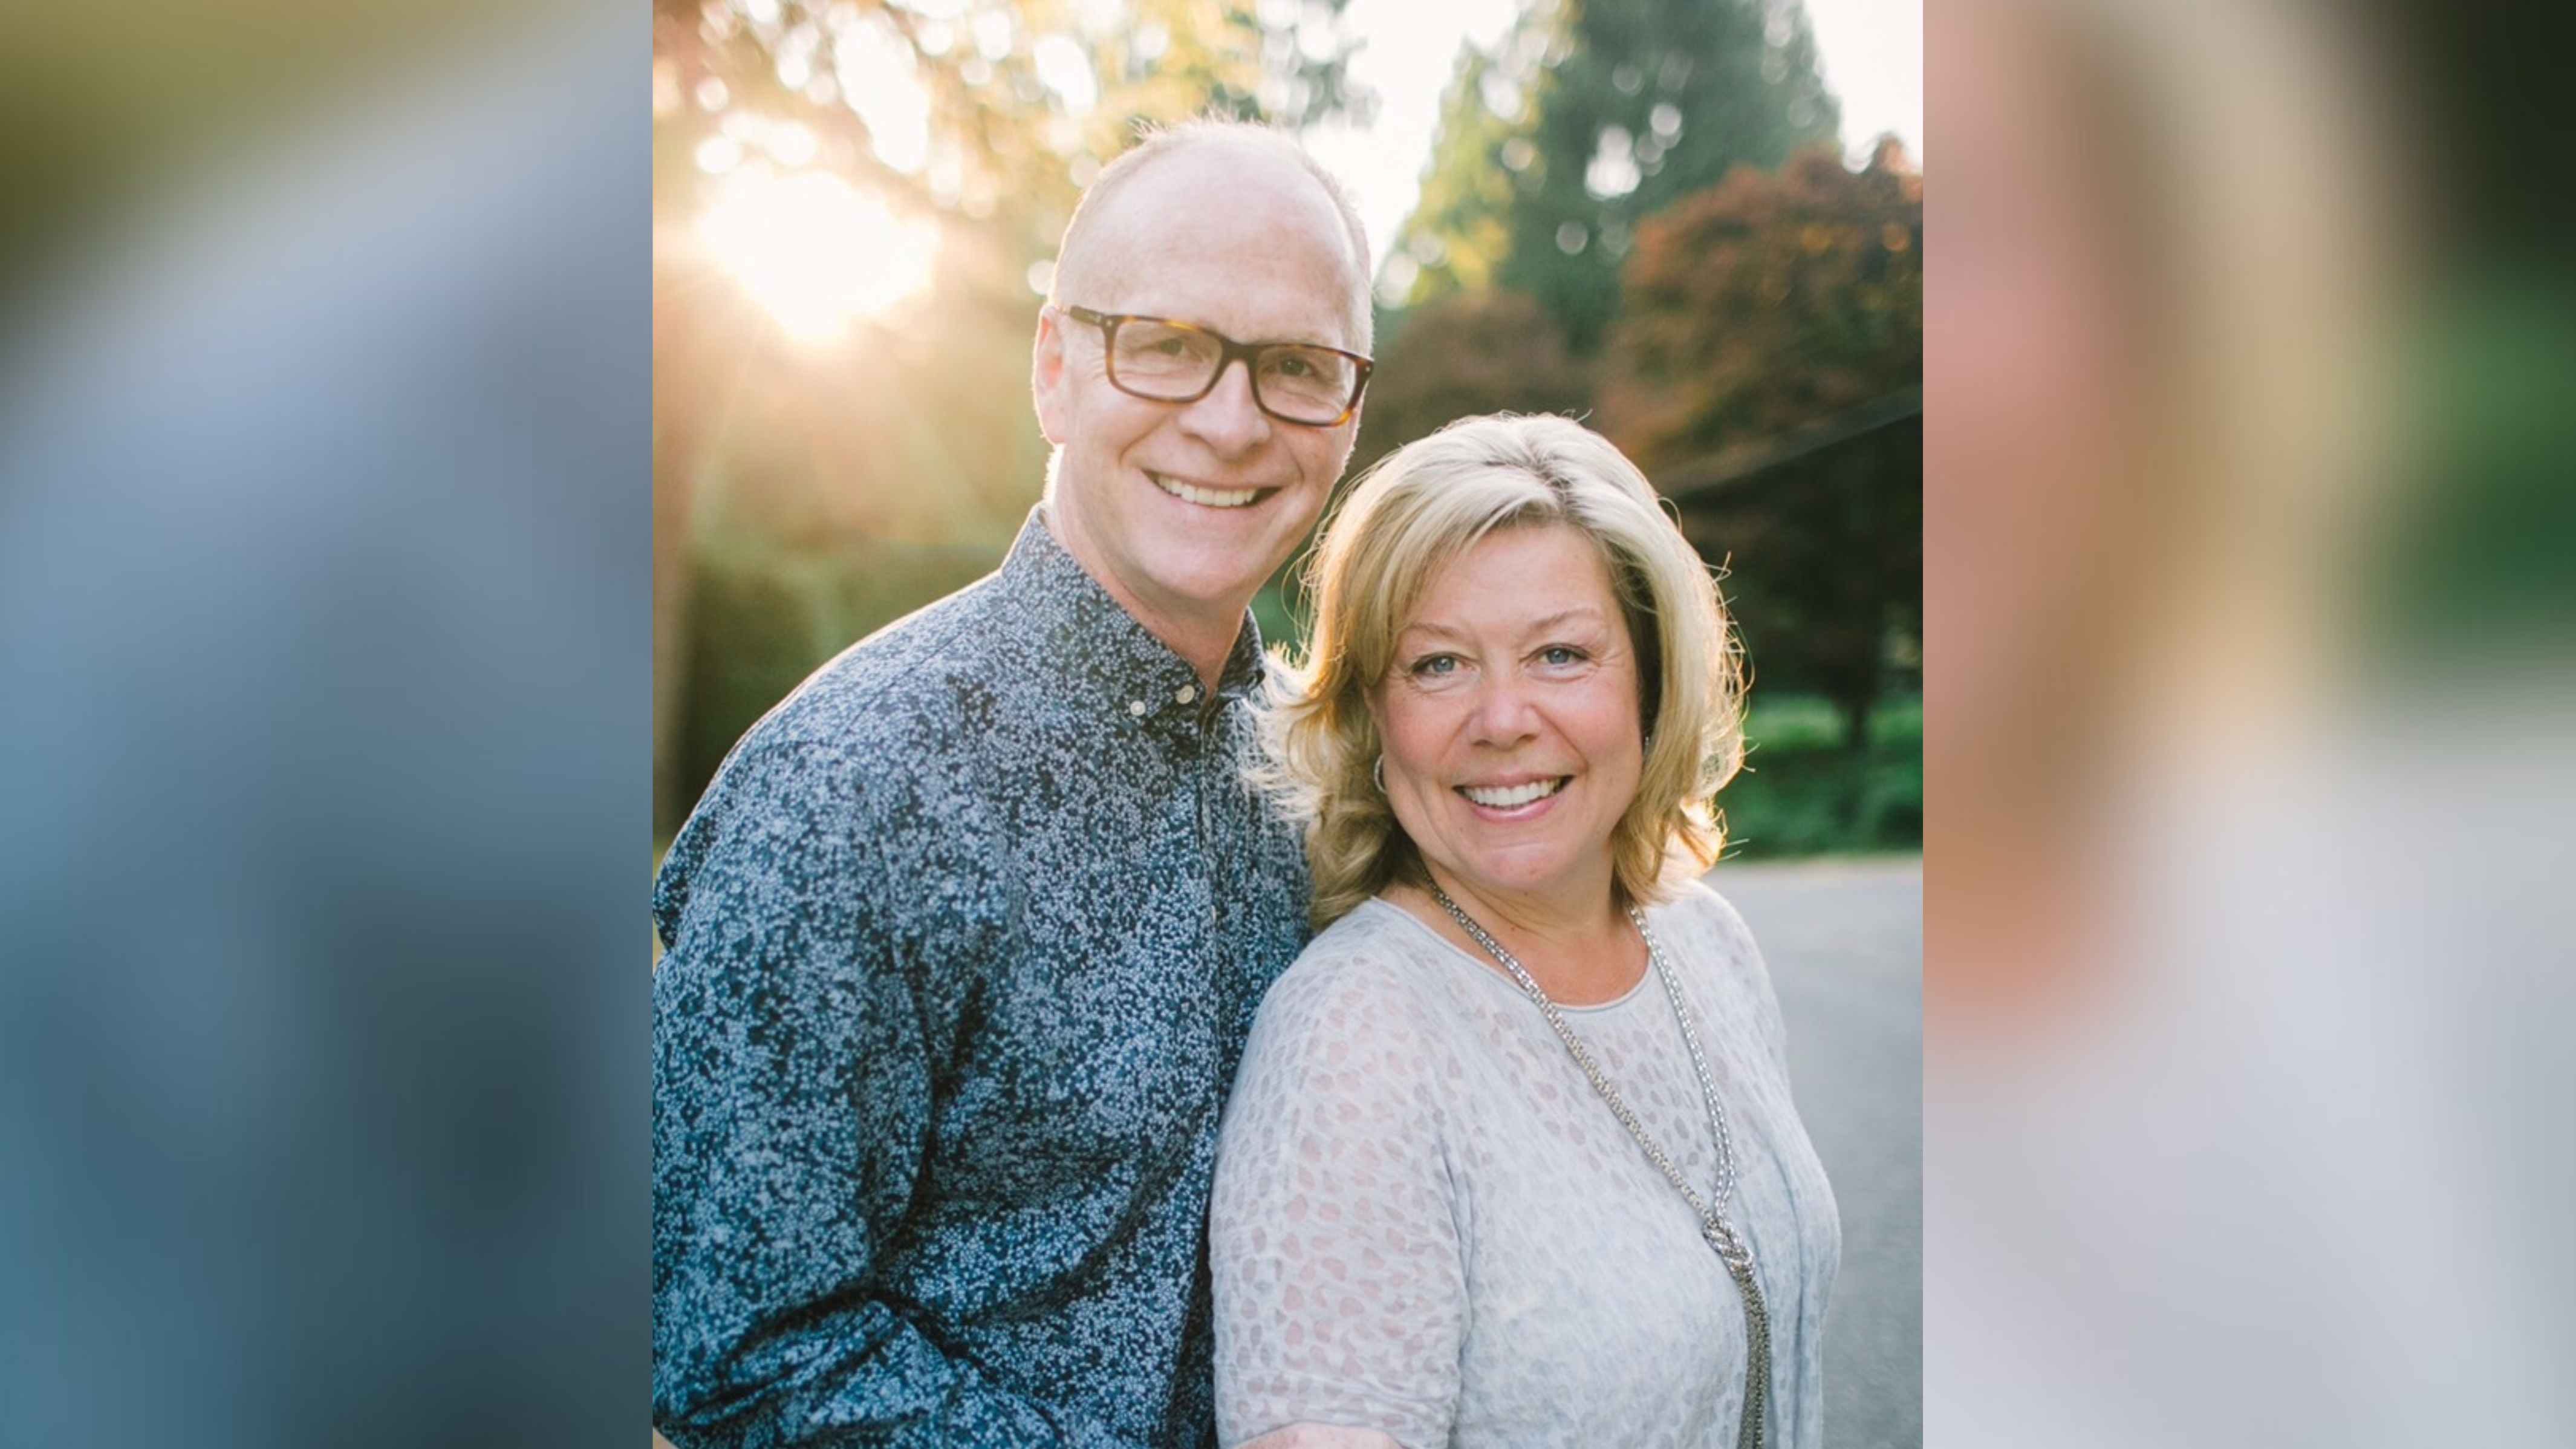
1205	497
1505	797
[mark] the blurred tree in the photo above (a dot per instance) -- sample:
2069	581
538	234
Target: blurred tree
1468	352
1768	372
996	110
1586	118
1455	236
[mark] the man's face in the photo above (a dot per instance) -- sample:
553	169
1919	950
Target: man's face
1182	510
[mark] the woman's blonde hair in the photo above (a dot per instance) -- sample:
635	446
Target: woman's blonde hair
1423	506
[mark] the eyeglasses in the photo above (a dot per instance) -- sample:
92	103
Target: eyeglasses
1166	361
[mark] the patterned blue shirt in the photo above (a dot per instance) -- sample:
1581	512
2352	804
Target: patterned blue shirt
964	941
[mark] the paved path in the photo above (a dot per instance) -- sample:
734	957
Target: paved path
1845	943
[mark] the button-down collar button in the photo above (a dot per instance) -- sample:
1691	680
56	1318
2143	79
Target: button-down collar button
1186	693
1136	707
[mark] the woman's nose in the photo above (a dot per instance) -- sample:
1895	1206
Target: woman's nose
1505	714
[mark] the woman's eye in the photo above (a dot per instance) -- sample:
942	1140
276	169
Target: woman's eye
1560	655
1435	666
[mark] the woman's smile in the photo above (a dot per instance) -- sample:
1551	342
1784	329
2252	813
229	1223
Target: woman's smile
1514	797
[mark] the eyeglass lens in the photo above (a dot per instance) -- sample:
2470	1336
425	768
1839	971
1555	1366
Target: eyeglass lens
1304	383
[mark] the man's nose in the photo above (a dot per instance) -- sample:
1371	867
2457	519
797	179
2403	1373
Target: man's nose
1228	419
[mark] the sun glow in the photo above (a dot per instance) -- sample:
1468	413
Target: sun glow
815	252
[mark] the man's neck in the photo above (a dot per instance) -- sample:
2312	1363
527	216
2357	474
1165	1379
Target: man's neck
1203	638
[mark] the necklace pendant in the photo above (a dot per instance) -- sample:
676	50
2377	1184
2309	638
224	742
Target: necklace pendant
1731	1249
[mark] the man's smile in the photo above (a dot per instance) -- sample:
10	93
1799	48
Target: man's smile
1209	497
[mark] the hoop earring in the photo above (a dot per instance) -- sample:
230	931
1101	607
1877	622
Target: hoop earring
1377	772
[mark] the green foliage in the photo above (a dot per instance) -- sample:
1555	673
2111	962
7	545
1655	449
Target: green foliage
1768	302
1455	237
1767	373
2484	555
1805	791
1587	118
1009	137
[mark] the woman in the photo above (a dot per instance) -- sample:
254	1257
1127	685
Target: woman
1508	1130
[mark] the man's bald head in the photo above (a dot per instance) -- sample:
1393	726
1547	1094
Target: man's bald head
1100	244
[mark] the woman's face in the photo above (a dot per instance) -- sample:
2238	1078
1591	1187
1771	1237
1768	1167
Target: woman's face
1509	717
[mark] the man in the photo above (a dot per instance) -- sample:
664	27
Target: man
966	935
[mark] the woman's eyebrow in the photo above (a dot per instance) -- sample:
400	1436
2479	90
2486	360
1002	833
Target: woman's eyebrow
1583	613
1430	627
1580	614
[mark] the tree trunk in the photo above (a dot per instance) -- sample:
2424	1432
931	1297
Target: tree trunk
1855	705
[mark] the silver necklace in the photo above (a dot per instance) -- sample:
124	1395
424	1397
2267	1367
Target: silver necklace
1731	1248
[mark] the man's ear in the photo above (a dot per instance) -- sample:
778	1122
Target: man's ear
1050	379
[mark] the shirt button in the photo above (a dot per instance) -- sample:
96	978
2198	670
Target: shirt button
1186	693
1136	707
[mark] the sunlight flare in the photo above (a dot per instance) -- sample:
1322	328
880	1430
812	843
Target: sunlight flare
815	252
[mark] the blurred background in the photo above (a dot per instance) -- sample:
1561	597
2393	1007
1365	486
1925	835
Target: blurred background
2247	603
324	687
1697	223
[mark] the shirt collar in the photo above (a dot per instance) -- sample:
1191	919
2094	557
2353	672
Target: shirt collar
1109	661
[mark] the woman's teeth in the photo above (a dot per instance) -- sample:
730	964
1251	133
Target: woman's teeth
1506	796
1205	497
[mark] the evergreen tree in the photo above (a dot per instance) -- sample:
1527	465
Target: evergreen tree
1591	115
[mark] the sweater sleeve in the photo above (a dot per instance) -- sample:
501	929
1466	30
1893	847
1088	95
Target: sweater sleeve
1335	1240
792	1100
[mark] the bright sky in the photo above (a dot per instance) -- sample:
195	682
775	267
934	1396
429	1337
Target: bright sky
1873	60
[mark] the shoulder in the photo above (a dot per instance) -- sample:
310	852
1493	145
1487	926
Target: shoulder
1365	987
1710	945
1372	959
1354	1033
1698	907
912	682
1707	934
861	761
891	726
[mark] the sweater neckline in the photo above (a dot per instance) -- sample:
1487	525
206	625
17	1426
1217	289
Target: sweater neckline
1490	970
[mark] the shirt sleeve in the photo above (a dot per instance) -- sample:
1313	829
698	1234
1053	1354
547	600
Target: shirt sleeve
793	1041
1334	1244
